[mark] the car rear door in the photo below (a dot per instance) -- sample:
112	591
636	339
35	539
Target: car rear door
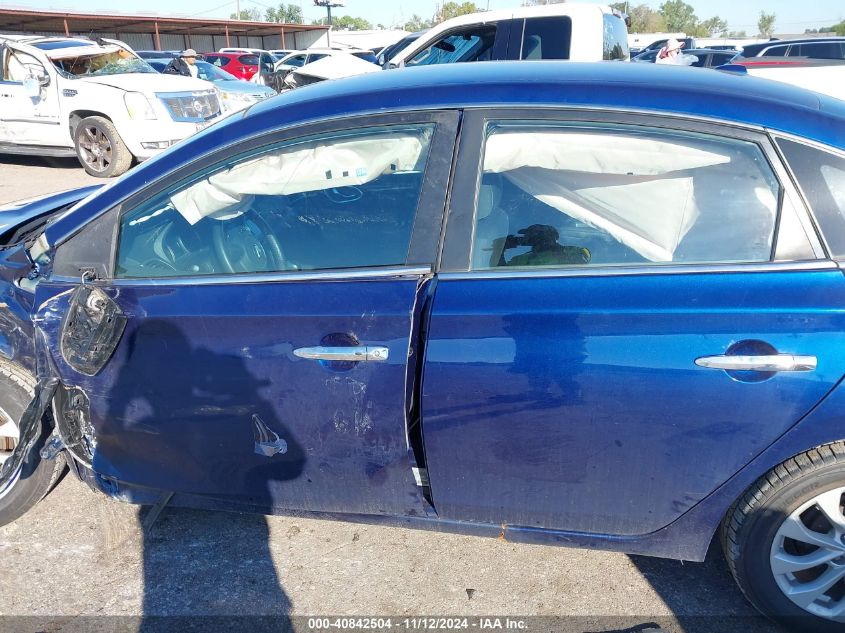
265	353
629	310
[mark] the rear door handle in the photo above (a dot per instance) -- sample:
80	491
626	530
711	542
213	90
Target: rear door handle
769	362
356	354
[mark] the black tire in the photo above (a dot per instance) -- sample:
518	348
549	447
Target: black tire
37	476
100	149
751	526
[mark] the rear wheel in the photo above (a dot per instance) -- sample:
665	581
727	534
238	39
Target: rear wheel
100	149
785	541
36	476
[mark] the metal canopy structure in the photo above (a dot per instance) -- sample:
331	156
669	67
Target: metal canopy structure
235	31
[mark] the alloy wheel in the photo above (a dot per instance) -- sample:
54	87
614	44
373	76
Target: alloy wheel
95	148
808	556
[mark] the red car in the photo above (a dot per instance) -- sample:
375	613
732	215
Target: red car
241	65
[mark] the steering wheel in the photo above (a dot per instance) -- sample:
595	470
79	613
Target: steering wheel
246	245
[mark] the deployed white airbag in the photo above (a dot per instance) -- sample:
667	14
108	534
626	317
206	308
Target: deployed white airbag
304	167
637	189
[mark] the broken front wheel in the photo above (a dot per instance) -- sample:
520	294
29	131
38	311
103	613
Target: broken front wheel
28	482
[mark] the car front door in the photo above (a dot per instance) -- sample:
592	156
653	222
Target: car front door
644	308
29	115
268	301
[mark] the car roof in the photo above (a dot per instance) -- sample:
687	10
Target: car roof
627	87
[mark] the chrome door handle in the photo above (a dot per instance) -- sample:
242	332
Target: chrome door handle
356	354
770	362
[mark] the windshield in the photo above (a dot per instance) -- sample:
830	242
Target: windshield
210	72
116	62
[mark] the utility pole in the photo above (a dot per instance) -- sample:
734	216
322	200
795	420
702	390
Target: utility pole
329	4
238	9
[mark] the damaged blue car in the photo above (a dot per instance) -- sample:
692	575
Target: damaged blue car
534	301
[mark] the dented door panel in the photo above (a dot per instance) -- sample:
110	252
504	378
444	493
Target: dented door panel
204	394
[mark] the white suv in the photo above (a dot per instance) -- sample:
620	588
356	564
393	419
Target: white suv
62	96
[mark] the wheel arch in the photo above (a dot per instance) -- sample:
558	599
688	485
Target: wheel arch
75	117
823	426
689	537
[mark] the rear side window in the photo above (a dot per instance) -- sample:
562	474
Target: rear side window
821	176
561	194
615	38
546	38
248	60
314	57
819	50
217	60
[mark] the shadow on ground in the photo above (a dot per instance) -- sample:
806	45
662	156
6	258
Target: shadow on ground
40	161
703	596
211	571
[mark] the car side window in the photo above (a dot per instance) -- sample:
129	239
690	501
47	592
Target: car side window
345	199
776	51
615	38
20	65
472	44
819	50
546	38
575	194
298	60
821	176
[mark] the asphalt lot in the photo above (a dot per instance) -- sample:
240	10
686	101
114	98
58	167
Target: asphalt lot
81	554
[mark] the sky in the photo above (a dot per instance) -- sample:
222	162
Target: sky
792	17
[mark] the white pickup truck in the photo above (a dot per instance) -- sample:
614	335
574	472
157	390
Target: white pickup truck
578	32
61	96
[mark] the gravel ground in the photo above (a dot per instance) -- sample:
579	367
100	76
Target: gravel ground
81	554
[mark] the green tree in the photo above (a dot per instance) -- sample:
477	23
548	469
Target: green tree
348	23
644	19
711	27
766	24
416	23
679	16
453	9
287	13
248	15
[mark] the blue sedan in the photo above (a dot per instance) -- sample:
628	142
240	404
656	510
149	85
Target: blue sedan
534	301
